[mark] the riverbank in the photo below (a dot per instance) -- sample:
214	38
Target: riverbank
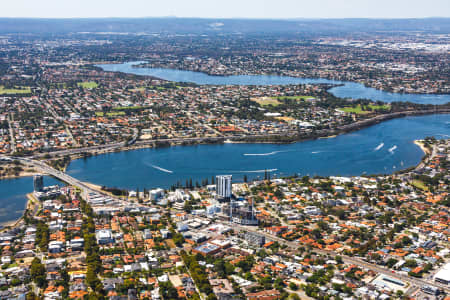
381	149
11	171
99	187
31	205
332	78
20	175
287	138
421	145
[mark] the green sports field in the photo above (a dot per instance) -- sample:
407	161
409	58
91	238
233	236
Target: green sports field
16	90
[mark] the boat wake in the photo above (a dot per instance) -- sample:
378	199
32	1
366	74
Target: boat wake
392	149
263	154
258	171
379	147
161	169
315	152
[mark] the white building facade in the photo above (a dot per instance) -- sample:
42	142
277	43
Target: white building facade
223	186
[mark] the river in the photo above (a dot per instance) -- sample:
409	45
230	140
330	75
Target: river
383	148
13	196
347	90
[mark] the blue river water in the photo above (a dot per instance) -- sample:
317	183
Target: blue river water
383	148
13	196
347	90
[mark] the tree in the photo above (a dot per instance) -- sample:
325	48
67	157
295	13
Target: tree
65	278
246	264
211	297
391	262
178	239
294	297
31	296
42	235
38	273
410	263
223	268
278	284
91	278
168	291
266	282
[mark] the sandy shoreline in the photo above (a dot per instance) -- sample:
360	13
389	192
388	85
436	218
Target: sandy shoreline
99	189
21	174
93	186
421	145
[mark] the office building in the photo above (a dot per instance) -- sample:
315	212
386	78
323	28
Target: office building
38	183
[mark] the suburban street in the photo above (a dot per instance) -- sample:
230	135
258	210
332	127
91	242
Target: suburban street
347	259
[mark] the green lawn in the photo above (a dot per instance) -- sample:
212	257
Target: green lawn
358	110
88	84
420	185
265	101
294	98
16	90
110	114
128	107
155	87
138	89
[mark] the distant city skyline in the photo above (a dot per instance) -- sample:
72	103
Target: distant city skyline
280	9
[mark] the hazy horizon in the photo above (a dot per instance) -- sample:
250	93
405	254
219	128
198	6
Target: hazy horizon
231	9
233	18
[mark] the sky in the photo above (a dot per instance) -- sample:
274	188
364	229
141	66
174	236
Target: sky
275	9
